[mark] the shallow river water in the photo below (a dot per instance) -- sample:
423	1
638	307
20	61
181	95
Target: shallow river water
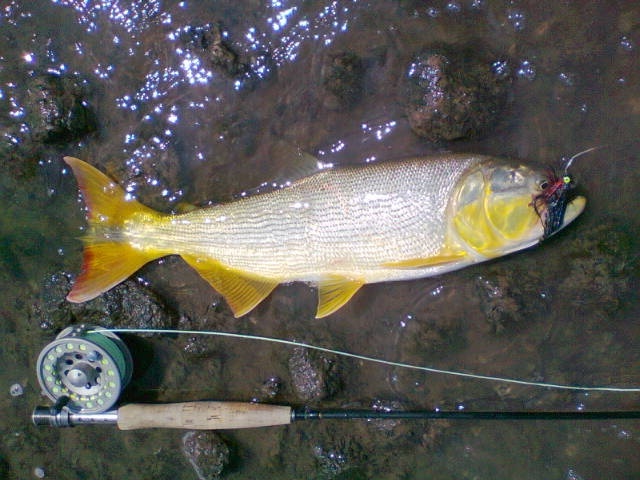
195	101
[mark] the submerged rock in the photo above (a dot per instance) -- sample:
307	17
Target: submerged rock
154	175
343	79
56	108
206	452
498	302
127	305
339	461
453	94
52	311
380	405
268	390
208	38
314	376
597	275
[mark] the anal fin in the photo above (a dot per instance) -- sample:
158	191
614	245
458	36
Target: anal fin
243	291
440	259
333	292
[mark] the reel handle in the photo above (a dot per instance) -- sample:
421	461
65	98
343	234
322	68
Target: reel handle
210	415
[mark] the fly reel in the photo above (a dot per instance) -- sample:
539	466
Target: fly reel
88	365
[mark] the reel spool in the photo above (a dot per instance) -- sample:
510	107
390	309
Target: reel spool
87	364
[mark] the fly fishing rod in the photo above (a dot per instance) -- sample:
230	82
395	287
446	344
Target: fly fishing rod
215	415
84	370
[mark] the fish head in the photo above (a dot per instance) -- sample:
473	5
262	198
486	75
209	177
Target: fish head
501	207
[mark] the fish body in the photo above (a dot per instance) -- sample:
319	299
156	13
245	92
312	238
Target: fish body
338	229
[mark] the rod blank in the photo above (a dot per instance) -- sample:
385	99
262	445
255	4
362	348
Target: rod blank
303	414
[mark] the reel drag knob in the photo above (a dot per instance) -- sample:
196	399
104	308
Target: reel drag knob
87	364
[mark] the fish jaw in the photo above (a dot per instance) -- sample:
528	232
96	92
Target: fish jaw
574	208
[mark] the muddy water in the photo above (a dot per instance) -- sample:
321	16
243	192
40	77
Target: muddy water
180	127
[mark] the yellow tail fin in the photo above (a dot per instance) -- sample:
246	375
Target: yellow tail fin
109	258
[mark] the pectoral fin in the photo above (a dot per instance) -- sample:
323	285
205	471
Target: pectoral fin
334	292
243	291
441	259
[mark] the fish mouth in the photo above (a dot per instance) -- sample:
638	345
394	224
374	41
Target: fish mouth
554	208
574	208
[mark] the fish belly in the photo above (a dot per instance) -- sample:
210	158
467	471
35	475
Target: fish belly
348	222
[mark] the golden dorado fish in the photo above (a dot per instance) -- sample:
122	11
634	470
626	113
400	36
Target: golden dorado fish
337	229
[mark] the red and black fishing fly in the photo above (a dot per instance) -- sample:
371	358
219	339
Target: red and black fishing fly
551	203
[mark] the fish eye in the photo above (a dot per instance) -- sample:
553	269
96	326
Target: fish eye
544	184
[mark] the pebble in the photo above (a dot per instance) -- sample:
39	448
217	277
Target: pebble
16	390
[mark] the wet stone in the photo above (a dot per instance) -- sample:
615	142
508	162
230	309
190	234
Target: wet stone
268	390
16	390
207	453
339	459
389	424
343	79
127	305
57	110
155	176
331	462
499	305
208	38
196	347
314	376
454	94
436	336
597	271
52	311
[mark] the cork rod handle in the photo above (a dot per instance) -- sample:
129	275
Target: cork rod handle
202	415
